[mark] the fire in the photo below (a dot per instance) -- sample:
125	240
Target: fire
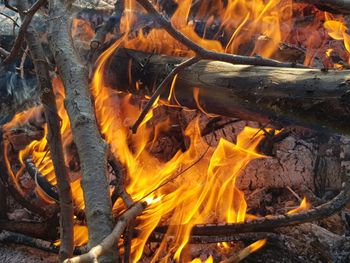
304	205
208	260
198	185
200	194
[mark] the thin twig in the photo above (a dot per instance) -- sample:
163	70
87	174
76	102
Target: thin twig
4	53
7	4
205	53
294	193
23	59
171	179
245	252
25	23
161	87
107	27
111	239
119	190
9	17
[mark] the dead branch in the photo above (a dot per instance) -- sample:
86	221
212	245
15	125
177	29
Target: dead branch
333	6
91	148
207	54
107	27
111	239
273	222
4	53
7	4
119	190
161	87
22	30
54	135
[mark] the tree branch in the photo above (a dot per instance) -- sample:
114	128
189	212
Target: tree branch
91	148
107	27
22	30
54	135
111	239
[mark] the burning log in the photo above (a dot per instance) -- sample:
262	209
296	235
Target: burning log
316	98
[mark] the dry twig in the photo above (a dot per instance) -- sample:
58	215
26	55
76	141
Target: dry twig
111	239
161	87
22	30
107	27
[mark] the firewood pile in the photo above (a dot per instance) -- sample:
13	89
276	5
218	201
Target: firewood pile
175	131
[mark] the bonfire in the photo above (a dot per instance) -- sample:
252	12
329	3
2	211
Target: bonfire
176	130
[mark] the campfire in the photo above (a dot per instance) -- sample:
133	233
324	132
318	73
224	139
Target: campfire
177	131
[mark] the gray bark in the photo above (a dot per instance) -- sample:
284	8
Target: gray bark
54	136
91	147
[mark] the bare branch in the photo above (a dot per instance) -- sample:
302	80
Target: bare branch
207	54
54	135
107	27
92	149
25	23
111	239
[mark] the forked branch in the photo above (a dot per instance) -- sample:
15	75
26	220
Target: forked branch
111	239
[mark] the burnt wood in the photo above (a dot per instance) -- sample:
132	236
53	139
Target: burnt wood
311	97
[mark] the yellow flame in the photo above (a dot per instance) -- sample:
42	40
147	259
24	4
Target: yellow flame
304	205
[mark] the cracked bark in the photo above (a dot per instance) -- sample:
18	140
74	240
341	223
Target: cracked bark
91	148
